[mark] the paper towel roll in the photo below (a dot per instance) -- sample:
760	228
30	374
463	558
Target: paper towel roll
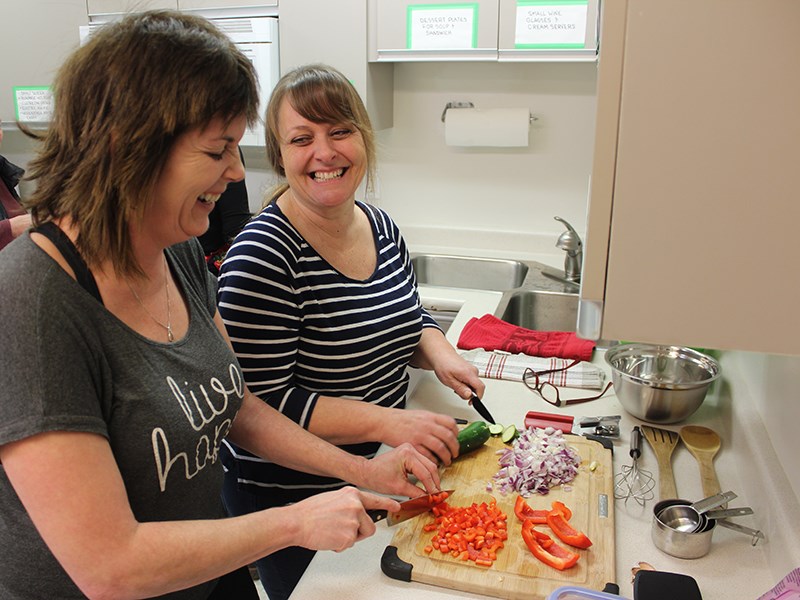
495	127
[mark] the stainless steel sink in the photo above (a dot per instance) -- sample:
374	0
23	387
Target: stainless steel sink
443	270
540	310
534	295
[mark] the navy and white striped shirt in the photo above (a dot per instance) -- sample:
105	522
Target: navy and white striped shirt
301	329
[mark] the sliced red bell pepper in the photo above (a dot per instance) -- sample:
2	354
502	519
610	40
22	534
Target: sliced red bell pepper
523	511
562	508
565	532
545	549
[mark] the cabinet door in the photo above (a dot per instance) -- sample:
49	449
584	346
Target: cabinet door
693	215
100	7
548	30
30	61
418	30
335	33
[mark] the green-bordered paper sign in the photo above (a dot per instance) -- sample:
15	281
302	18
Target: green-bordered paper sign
442	26
551	24
33	104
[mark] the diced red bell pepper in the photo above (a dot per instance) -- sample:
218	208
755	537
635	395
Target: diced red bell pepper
565	532
545	549
523	511
473	532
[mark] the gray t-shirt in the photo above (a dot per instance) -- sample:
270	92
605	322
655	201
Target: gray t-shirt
70	365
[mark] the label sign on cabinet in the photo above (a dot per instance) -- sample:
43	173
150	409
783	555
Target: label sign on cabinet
33	104
442	26
551	24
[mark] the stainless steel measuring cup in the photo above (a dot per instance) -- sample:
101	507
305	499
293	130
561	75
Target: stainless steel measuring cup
676	534
690	518
683	544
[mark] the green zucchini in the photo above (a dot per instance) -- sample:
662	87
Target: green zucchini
510	433
472	437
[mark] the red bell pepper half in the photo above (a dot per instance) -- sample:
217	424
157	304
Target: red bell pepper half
545	549
557	521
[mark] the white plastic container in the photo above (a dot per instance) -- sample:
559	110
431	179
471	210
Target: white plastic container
577	593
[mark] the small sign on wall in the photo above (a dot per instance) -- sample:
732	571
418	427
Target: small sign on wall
442	26
33	104
551	24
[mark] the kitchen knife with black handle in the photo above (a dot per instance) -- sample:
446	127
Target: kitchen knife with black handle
482	410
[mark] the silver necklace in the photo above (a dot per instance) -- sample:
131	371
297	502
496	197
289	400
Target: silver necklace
168	325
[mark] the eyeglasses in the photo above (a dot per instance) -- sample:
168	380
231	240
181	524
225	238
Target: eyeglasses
549	392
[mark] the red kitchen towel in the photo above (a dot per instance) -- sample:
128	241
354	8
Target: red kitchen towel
490	333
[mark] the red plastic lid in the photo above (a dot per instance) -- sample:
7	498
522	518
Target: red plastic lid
544	420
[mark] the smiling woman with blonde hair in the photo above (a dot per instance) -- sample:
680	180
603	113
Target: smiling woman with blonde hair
320	300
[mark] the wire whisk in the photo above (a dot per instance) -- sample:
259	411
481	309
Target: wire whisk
631	481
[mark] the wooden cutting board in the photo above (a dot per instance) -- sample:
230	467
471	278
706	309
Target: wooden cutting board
516	573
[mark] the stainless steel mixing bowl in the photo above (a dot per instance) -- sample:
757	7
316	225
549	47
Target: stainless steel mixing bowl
661	384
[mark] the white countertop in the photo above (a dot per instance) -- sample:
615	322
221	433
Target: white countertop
732	569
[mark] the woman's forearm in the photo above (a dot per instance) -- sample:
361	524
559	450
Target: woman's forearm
262	430
174	555
435	353
265	432
341	421
432	346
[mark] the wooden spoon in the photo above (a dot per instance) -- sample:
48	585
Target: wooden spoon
663	442
703	443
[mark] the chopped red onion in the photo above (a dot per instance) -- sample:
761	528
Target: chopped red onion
537	460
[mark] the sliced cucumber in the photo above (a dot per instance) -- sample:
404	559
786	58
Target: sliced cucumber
496	428
509	434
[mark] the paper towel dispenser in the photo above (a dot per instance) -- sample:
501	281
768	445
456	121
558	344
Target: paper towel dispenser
466	125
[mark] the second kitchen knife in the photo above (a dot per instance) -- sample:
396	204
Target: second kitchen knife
410	508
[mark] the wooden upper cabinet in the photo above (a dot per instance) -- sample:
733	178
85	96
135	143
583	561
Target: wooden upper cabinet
693	211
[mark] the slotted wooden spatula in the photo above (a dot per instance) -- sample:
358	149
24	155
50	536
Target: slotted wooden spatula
663	442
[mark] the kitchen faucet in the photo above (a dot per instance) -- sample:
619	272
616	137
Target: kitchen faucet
570	242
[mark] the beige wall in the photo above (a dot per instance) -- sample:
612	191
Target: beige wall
762	392
500	193
502	199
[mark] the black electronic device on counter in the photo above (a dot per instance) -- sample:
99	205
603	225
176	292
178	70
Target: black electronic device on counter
660	585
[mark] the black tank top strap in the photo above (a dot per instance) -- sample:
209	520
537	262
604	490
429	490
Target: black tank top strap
70	253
